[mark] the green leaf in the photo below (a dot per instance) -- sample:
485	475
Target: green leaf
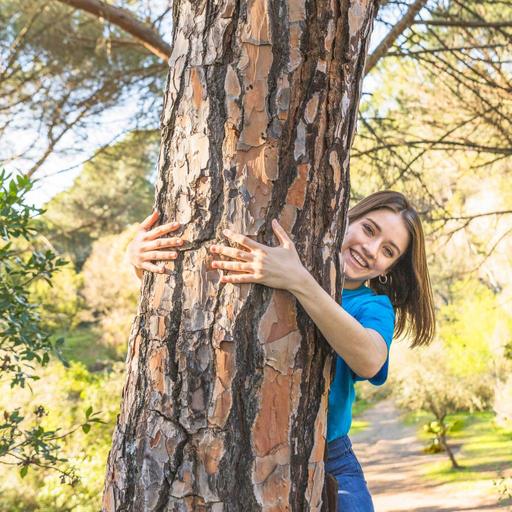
86	427
23	471
456	426
88	412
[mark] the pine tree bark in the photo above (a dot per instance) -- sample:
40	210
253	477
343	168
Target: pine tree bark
224	408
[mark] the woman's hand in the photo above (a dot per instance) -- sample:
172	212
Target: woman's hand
276	267
147	247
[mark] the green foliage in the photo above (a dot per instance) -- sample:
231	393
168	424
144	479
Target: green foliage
468	328
23	339
485	450
426	382
111	288
113	191
61	302
508	351
504	487
464	370
84	345
65	391
25	440
438	430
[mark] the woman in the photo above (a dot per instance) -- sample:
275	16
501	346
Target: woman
384	247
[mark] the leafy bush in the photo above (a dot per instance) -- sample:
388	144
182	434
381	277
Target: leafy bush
27	438
23	338
65	391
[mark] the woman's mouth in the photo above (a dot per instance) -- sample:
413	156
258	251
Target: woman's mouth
358	259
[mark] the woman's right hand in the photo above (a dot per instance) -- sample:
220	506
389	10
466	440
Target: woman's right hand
148	247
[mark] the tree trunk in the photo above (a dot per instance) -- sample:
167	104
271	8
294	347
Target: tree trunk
224	408
447	448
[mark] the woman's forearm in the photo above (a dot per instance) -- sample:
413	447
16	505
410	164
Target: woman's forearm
363	349
280	267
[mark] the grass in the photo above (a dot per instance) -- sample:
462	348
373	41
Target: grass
358	426
482	448
83	344
360	405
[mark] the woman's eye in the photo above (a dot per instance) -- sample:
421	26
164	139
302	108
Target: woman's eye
388	252
368	229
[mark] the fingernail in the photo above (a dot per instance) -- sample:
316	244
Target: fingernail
175	224
226	232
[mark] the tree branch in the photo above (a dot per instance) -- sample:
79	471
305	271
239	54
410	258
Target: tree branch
474	216
125	20
397	30
465	23
411	53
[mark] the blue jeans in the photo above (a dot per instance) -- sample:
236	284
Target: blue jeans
353	494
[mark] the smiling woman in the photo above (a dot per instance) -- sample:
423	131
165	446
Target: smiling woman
384	247
373	243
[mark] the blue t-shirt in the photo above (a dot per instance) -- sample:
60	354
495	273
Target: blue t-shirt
373	312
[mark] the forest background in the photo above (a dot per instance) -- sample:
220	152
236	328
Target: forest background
80	100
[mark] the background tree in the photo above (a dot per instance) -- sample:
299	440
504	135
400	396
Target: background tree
465	370
427	384
448	121
114	189
62	71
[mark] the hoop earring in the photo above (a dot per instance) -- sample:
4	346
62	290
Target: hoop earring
383	279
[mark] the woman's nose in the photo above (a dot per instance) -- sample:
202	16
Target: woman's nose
370	250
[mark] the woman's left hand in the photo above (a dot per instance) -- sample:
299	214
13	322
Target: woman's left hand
276	267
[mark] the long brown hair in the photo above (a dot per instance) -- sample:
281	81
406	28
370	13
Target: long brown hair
408	284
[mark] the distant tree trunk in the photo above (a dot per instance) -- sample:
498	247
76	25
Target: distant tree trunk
447	448
443	442
224	408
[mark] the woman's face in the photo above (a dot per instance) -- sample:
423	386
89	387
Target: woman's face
372	244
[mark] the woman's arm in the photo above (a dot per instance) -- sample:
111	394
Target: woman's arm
147	247
364	350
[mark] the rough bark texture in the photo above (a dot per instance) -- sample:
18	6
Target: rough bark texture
224	407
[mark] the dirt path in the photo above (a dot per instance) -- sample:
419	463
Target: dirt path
392	459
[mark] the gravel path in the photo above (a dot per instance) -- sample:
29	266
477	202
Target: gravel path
392	459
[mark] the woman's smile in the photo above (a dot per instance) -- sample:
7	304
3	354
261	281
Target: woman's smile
358	259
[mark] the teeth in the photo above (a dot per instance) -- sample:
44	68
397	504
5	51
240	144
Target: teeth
358	259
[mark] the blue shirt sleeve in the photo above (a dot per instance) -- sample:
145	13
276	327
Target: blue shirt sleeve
378	314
